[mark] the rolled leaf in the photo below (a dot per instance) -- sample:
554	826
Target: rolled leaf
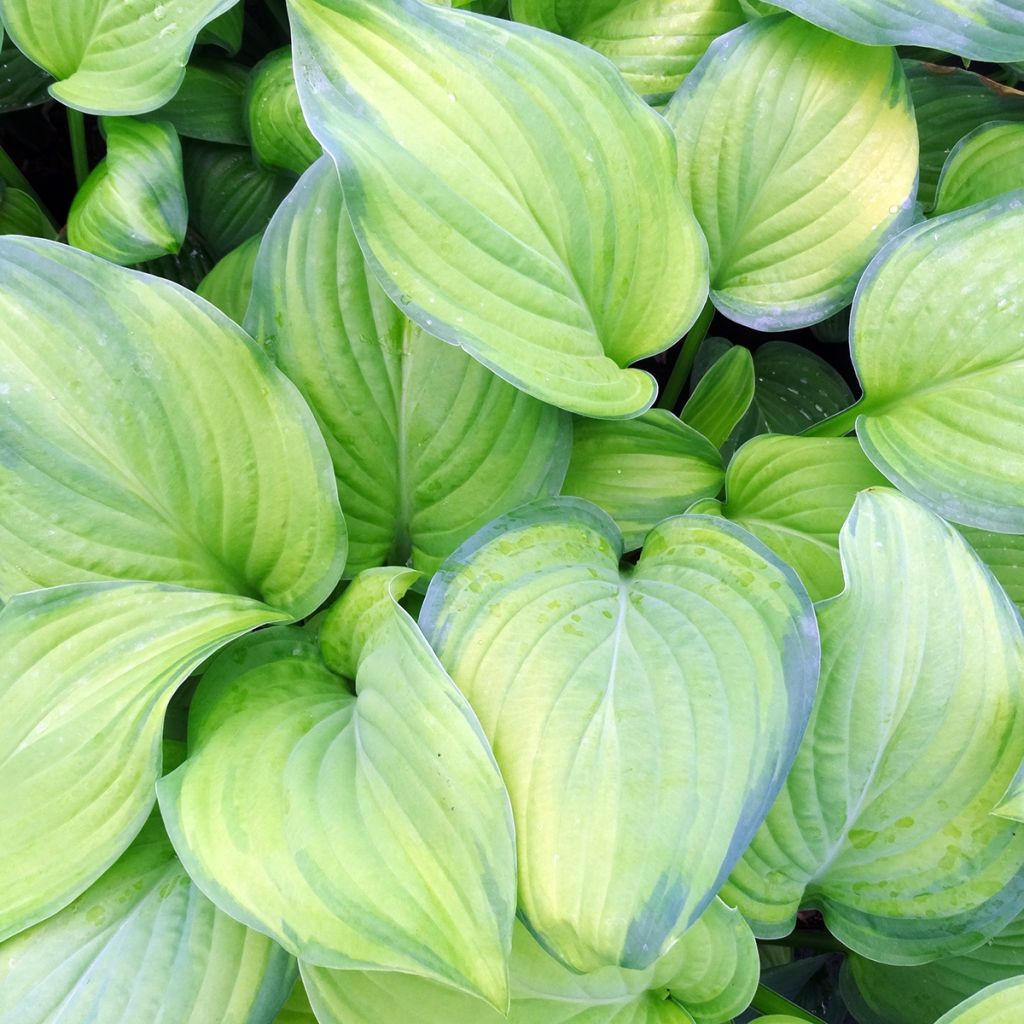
108	56
428	445
948	104
280	138
794	494
722	396
145	436
605	693
983	165
366	830
132	206
142	935
798	151
884	823
982	30
228	286
655	45
86	673
641	471
942	419
513	195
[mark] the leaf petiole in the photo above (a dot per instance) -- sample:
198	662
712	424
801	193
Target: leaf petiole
687	354
767	1001
838	425
79	152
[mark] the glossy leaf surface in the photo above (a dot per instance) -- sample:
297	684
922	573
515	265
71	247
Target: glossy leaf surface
280	138
983	165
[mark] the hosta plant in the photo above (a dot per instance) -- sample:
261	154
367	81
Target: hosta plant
511	512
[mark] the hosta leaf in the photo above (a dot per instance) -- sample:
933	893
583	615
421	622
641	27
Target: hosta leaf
798	151
1003	553
513	195
85	675
369	830
20	215
605	694
948	104
22	83
280	138
229	284
226	29
982	30
794	494
722	396
884	823
230	199
983	165
998	1004
209	104
882	994
428	445
641	471
109	56
655	45
941	419
132	206
296	1009
142	936
187	267
708	976
144	436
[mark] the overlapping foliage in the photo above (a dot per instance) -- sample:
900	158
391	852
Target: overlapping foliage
374	651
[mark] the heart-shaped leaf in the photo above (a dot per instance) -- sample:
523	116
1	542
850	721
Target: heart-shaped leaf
983	165
512	193
981	30
799	152
655	45
794	494
428	445
109	56
641	471
605	694
132	206
707	977
359	830
882	994
948	104
86	673
142	935
884	823
145	436
280	138
940	418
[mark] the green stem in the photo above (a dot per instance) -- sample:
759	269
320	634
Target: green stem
806	938
837	426
687	354
766	1001
79	153
11	173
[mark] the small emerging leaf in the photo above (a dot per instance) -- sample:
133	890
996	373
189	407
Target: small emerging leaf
277	128
722	396
132	206
229	284
984	165
209	103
